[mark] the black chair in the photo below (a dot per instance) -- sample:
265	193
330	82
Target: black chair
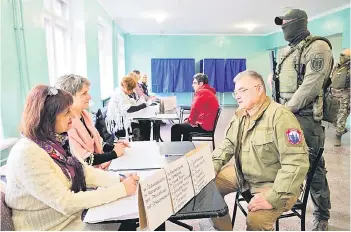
206	136
100	125
299	209
105	101
182	224
182	110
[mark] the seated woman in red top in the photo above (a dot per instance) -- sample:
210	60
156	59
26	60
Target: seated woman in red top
202	113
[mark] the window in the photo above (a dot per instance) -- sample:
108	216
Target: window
1	132
121	66
58	40
105	59
78	45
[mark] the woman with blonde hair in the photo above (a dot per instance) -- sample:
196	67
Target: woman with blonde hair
139	92
122	103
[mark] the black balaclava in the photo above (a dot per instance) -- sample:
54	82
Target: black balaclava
295	27
295	31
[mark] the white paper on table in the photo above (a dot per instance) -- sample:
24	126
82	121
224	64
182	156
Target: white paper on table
121	209
141	155
124	208
143	174
180	183
148	112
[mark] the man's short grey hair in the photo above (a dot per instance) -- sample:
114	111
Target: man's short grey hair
250	73
72	83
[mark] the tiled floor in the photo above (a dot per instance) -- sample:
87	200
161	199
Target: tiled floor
338	166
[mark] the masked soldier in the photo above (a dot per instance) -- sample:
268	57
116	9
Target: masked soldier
302	72
340	88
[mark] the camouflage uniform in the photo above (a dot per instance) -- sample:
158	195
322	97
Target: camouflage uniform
270	157
303	96
344	97
302	73
340	88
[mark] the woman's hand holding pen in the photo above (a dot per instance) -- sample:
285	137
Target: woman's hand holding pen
130	183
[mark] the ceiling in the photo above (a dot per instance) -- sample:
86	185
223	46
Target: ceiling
251	17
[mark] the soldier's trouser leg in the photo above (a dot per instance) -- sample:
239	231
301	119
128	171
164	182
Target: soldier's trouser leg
226	183
265	219
344	111
315	136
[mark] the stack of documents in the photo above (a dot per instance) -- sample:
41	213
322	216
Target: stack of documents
140	155
122	209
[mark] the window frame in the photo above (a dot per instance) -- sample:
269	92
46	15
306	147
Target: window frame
105	48
60	22
120	53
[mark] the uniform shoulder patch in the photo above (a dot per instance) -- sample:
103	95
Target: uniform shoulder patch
317	62
294	136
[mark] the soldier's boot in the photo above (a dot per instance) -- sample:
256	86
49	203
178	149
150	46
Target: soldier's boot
320	225
337	141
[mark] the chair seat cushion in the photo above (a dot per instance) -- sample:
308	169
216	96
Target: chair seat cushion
201	134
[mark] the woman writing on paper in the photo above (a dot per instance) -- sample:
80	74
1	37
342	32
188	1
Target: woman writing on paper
122	103
84	138
46	185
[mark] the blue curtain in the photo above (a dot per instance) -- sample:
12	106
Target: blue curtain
214	69
232	68
172	75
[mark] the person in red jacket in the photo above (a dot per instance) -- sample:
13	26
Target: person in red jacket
202	113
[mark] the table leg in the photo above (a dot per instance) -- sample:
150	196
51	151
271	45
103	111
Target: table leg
154	133
181	115
157	131
162	227
128	226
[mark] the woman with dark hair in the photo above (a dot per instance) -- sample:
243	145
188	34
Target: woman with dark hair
46	185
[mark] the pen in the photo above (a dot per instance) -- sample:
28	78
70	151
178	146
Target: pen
171	155
121	175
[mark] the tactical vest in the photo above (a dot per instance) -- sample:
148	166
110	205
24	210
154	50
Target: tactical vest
291	71
341	76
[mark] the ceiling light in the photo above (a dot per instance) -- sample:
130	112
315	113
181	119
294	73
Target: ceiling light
159	17
247	26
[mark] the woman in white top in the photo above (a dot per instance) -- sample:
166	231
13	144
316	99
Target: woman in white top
46	185
124	101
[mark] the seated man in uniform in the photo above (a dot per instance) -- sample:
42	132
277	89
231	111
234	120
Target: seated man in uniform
270	155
